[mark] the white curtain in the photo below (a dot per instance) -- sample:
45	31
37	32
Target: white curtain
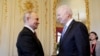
11	22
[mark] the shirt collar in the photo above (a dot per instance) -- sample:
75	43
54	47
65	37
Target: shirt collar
69	22
29	28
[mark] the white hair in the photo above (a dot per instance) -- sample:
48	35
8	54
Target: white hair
26	16
66	8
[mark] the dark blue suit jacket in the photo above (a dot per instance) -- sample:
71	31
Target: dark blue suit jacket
28	44
75	41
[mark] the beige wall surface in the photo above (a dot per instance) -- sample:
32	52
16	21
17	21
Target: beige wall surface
94	10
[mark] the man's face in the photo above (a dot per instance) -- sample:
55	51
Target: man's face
34	21
62	16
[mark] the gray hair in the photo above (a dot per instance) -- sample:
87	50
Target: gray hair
66	8
26	16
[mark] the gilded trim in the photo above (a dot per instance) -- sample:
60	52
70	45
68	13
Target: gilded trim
87	14
28	5
54	28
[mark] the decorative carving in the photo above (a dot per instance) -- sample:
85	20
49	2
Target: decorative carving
87	14
54	16
25	5
28	5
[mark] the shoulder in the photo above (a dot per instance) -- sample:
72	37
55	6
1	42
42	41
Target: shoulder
26	31
25	34
74	22
80	27
78	24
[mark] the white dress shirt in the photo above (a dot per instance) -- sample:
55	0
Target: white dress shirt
29	28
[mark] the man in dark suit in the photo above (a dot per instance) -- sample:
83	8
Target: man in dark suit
27	43
74	39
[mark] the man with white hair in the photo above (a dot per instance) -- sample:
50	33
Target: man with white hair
27	43
74	40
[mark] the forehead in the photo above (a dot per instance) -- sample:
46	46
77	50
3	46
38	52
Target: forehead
92	34
61	10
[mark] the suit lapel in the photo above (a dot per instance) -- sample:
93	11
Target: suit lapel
67	31
34	36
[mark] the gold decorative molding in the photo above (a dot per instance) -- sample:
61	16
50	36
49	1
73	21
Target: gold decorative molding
28	5
87	14
54	28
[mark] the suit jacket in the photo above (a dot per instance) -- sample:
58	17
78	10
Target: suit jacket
28	44
97	49
75	41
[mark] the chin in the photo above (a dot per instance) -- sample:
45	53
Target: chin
35	27
62	23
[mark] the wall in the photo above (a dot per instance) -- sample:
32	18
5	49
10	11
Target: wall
94	10
11	22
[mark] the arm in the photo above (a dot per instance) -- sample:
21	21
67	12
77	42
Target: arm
82	40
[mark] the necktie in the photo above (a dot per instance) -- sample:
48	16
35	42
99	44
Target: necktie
64	30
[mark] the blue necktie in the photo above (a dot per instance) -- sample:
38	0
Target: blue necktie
64	30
